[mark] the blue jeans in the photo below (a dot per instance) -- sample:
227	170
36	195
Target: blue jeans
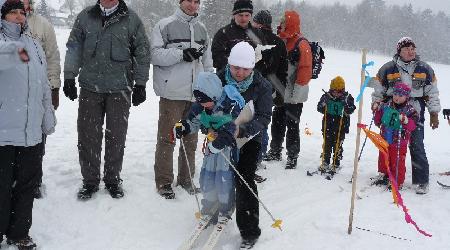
420	166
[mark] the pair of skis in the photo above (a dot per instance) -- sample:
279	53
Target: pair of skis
213	238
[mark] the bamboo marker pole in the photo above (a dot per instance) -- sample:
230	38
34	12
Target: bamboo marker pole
358	142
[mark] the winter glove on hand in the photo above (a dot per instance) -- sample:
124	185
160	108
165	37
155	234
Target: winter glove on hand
191	54
224	139
70	90
181	129
403	118
138	95
434	120
55	98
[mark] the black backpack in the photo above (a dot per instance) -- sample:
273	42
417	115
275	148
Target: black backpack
317	56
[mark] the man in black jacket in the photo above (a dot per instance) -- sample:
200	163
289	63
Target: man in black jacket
237	31
273	66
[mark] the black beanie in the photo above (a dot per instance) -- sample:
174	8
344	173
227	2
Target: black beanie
11	5
264	18
242	6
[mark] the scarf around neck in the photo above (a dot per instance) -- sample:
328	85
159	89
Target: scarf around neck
240	86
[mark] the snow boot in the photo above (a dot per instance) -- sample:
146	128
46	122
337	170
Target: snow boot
422	188
272	155
380	180
248	243
325	167
86	192
23	244
166	191
115	190
291	163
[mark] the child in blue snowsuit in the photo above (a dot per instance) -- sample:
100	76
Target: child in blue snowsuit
213	113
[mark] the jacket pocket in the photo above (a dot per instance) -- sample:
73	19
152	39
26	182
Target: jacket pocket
120	51
90	45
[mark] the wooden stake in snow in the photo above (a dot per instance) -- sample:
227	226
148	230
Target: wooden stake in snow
358	142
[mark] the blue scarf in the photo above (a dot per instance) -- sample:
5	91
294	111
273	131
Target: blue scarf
241	86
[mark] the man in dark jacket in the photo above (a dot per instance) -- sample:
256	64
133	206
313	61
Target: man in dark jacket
240	29
273	66
110	51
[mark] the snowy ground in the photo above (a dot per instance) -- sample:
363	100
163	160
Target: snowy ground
314	211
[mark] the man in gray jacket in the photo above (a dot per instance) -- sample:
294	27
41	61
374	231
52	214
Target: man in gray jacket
26	112
109	50
180	49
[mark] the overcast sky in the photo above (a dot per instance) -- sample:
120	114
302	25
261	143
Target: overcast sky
434	5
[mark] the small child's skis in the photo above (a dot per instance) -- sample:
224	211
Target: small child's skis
203	223
216	233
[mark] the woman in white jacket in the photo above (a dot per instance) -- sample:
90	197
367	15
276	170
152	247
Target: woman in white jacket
26	112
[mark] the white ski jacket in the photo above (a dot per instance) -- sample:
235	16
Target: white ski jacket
174	78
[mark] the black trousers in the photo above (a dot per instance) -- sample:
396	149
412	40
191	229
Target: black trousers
247	206
286	116
20	172
92	110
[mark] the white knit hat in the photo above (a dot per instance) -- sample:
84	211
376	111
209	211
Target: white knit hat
242	55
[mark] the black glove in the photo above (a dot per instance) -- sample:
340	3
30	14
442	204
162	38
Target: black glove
138	95
181	129
191	54
70	90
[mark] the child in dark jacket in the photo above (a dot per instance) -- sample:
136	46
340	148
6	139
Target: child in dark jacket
214	112
336	105
397	119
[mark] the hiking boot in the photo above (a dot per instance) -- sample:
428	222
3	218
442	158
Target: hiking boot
23	244
272	155
291	163
115	190
380	180
190	189
422	188
86	192
166	191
